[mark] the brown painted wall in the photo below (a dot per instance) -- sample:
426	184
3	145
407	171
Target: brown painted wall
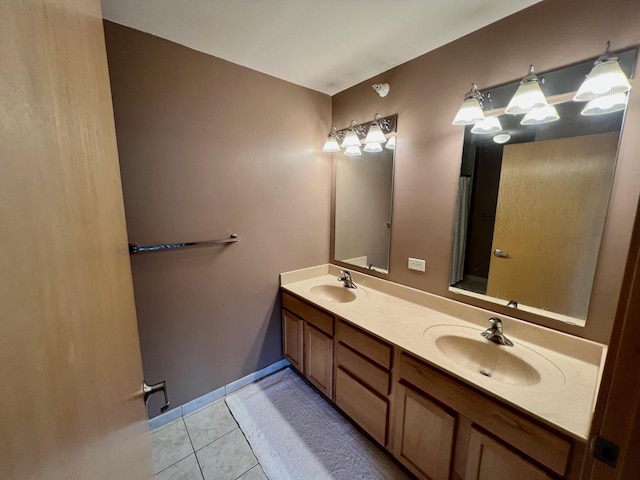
208	148
426	93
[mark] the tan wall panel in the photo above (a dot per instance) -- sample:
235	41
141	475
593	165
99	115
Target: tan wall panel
209	148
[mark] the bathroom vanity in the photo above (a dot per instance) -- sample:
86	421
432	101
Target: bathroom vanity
413	371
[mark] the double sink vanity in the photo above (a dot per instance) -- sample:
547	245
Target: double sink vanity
414	371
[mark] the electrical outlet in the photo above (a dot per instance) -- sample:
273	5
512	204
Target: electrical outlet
416	264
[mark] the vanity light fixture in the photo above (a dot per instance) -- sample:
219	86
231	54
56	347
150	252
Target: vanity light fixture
606	104
331	145
372	134
471	110
528	96
488	125
351	139
606	78
538	116
375	134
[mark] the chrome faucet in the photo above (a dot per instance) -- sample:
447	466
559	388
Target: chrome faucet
494	333
346	279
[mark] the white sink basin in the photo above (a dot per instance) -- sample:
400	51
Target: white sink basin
465	350
333	293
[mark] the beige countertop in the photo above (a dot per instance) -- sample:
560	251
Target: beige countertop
570	367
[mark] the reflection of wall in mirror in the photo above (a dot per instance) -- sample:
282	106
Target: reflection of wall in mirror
363	207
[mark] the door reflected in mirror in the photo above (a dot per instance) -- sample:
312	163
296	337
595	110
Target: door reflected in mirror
530	212
363	203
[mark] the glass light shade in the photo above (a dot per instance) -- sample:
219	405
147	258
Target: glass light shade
605	78
375	134
351	140
527	97
470	112
391	143
606	104
541	115
502	138
373	147
488	125
353	151
331	145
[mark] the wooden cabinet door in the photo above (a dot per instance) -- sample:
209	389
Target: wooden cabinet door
292	339
318	359
424	435
71	390
491	460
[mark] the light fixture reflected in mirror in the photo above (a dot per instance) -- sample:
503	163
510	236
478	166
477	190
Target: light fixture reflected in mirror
606	78
353	151
538	116
501	138
373	147
606	104
528	96
471	110
488	125
391	143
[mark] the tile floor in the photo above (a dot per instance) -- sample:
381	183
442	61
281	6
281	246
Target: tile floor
206	444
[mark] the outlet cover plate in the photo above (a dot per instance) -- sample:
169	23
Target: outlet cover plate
417	264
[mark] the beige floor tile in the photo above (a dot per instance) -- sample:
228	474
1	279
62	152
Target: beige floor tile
227	458
209	424
169	444
255	473
185	469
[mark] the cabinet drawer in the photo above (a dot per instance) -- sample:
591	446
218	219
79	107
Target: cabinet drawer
316	317
367	372
365	407
521	433
367	345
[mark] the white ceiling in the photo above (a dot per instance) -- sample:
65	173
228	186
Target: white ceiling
325	45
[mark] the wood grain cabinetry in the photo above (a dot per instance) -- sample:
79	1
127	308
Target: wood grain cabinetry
307	341
527	450
318	359
424	435
363	379
439	428
489	459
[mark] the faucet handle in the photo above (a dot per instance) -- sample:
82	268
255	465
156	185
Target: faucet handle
496	323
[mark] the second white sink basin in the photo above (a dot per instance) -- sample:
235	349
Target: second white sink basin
333	293
477	357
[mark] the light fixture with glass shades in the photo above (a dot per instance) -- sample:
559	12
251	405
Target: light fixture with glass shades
471	110
602	84
331	145
391	143
529	95
372	134
606	78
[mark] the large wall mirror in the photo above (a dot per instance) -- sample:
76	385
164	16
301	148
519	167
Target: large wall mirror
363	206
533	199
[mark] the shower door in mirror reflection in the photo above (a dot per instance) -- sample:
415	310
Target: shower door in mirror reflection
552	205
362	228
